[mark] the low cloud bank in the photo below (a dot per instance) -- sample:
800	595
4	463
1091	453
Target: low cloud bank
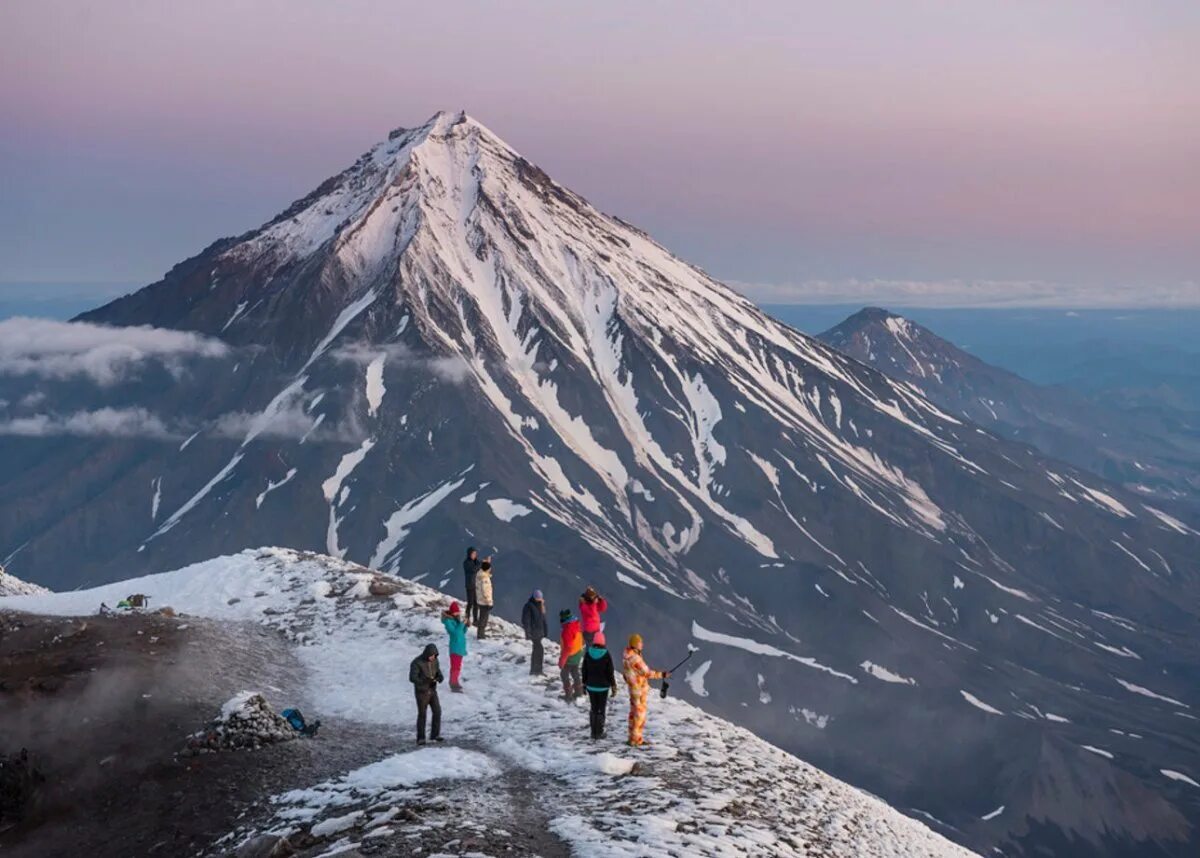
452	369
59	350
973	293
103	422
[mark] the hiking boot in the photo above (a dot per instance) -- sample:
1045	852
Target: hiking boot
457	689
420	741
438	739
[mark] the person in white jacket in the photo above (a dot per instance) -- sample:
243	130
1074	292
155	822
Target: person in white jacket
483	597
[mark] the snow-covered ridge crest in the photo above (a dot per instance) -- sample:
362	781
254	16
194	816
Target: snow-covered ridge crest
696	797
11	585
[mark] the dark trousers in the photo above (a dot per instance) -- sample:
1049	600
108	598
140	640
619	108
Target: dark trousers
588	637
535	660
485	611
572	683
429	700
472	605
599	701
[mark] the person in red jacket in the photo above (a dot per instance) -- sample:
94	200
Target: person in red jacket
591	606
570	655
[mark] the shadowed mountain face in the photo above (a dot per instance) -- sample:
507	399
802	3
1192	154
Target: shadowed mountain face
441	346
1152	450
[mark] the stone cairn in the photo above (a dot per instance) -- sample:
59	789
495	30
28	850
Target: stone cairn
246	722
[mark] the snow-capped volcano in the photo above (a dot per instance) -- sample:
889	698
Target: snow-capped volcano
1140	448
441	346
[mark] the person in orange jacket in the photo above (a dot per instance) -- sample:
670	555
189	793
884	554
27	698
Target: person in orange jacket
570	655
637	677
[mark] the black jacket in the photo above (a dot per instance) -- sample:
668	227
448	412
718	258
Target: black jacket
423	673
533	620
470	567
598	673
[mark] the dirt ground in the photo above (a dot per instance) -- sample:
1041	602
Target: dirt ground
104	703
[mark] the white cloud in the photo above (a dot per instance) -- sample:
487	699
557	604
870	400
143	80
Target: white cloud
59	350
289	422
972	293
104	422
452	369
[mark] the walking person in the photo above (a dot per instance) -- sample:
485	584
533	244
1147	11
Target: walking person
637	678
599	678
570	654
591	606
470	569
425	674
483	597
533	620
456	627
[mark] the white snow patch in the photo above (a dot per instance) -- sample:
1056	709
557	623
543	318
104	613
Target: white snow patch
886	675
1178	776
701	633
979	704
1146	692
506	510
695	679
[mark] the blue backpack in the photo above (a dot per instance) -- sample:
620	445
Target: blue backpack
296	719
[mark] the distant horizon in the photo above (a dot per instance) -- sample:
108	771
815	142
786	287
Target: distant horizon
973	154
26	291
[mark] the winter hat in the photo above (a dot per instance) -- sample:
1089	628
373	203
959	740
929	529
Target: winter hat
537	595
635	641
564	615
454	609
598	639
485	566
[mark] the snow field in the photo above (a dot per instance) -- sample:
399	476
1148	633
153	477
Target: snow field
702	787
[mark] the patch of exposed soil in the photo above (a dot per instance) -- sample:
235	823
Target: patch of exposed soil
103	705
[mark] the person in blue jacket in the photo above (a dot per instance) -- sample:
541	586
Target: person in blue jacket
456	627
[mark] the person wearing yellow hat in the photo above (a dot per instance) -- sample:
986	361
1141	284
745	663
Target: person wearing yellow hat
637	677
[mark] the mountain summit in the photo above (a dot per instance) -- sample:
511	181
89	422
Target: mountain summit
441	346
1142	450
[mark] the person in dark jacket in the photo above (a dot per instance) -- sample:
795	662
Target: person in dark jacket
425	674
470	570
600	679
533	620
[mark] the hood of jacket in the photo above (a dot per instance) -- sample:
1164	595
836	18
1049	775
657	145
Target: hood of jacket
597	652
430	650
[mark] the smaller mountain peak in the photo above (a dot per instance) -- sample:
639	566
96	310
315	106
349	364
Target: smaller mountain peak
875	314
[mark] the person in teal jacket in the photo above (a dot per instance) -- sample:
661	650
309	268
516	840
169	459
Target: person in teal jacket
456	627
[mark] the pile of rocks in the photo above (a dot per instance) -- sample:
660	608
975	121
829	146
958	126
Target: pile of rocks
246	722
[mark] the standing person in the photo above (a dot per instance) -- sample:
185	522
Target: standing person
570	654
637	677
483	596
425	674
456	627
470	569
591	606
533	620
599	678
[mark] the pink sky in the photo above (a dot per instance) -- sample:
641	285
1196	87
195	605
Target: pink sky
779	144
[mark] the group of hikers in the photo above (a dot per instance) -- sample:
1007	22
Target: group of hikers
584	662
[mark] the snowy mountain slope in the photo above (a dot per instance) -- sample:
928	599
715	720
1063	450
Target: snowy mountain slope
1144	450
11	585
704	786
441	346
